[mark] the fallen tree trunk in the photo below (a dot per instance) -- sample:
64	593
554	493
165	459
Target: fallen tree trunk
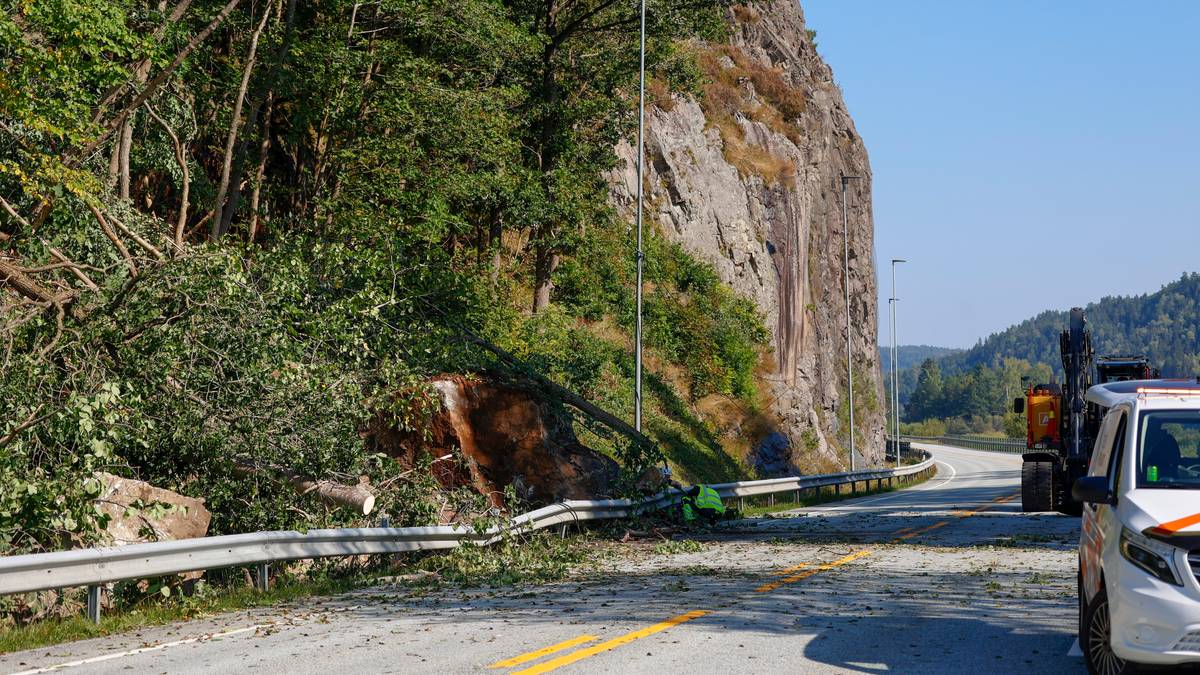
569	397
14	277
357	497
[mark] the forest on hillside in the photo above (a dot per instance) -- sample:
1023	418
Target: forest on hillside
1161	325
909	356
964	388
231	231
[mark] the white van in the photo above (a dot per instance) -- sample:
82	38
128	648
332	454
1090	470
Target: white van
1139	553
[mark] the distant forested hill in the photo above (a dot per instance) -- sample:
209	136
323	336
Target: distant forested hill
912	355
1161	325
970	390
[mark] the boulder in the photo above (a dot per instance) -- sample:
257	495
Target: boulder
772	456
500	433
140	512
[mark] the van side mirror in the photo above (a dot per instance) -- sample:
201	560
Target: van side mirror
1093	490
1018	405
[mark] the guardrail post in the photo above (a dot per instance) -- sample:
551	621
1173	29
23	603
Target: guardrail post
93	604
263	578
742	504
771	499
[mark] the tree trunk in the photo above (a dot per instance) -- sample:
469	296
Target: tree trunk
151	87
186	178
495	232
546	261
23	284
357	497
221	219
259	175
239	163
114	165
125	141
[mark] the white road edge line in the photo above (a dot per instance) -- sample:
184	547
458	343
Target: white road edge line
142	650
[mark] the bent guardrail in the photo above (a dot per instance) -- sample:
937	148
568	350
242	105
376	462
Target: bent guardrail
94	567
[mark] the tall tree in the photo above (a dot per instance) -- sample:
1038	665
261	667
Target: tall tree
926	399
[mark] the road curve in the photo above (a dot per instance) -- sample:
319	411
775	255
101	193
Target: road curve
945	577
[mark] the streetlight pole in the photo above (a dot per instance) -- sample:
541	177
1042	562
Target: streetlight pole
846	283
895	365
637	357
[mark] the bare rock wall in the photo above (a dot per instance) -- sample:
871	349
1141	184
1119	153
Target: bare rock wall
757	194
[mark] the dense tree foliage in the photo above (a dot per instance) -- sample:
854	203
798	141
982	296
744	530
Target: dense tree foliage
233	229
976	401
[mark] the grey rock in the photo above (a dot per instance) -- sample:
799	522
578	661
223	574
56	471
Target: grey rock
773	456
780	243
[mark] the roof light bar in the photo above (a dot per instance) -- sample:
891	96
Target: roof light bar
1157	390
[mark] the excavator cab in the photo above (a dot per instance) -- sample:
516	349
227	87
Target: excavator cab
1044	405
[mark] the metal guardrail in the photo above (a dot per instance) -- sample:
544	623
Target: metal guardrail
1016	445
94	567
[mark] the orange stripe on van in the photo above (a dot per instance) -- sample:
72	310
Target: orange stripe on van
1177	525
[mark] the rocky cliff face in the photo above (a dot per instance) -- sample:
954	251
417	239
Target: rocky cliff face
747	177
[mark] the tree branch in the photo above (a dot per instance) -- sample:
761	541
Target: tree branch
181	158
29	422
8	208
219	217
112	236
150	248
112	94
74	269
154	84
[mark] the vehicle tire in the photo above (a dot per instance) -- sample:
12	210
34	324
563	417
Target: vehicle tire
1037	486
1083	605
1096	640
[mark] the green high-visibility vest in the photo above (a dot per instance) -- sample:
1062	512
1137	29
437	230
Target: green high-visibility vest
710	499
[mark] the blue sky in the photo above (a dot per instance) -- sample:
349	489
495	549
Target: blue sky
1027	155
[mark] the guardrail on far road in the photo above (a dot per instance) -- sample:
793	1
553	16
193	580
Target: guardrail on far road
1016	445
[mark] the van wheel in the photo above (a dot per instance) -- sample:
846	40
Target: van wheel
1083	605
1096	639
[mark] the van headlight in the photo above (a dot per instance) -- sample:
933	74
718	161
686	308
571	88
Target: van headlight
1152	556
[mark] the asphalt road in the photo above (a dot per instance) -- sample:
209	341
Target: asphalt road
946	577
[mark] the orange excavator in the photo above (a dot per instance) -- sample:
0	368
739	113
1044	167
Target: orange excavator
1061	425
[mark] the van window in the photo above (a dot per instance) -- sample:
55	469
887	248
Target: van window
1118	456
1102	450
1169	450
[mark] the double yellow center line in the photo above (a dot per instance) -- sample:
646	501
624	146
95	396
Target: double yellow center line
581	654
787	576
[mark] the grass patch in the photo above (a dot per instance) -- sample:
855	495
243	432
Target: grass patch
769	99
534	559
760	506
207	601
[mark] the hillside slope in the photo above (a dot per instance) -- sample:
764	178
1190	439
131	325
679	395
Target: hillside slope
912	355
1161	325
